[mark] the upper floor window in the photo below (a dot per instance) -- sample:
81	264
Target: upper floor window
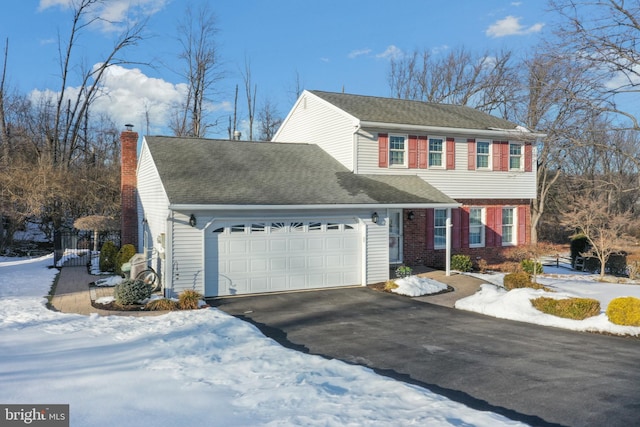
436	145
483	157
508	226
515	156
440	228
397	145
476	227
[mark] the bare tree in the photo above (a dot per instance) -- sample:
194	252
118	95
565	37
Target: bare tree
269	120
605	231
197	32
606	35
4	131
251	96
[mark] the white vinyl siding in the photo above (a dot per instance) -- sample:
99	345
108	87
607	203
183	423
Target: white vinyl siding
187	256
459	183
315	121
376	256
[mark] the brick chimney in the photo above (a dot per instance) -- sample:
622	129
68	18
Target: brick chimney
128	183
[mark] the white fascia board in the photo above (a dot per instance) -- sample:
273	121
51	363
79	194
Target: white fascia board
197	207
518	134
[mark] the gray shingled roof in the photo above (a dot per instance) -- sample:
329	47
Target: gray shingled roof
221	172
401	111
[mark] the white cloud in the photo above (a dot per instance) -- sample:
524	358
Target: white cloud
511	26
113	15
127	94
355	53
392	52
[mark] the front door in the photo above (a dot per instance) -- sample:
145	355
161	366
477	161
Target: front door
395	236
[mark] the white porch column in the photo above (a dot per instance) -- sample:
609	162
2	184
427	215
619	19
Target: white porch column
448	246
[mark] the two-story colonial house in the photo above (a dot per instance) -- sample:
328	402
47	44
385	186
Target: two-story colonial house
349	185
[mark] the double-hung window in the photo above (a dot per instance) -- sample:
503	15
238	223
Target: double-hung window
436	145
515	156
476	227
483	157
397	145
508	226
440	228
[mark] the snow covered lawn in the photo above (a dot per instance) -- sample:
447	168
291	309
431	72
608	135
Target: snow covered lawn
189	368
493	300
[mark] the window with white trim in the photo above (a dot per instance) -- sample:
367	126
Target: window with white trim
483	155
439	228
508	226
436	147
515	156
476	227
397	148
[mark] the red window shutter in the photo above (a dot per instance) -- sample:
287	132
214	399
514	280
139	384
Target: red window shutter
451	153
455	228
523	224
528	158
471	154
504	156
490	232
422	151
464	227
413	151
430	225
497	154
383	150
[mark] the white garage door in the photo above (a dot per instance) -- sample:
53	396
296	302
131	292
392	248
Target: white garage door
244	257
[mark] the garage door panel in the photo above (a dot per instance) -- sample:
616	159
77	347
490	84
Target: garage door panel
283	255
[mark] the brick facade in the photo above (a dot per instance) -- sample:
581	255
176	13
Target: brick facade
418	247
128	193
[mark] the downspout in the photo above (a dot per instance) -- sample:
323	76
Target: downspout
168	275
355	147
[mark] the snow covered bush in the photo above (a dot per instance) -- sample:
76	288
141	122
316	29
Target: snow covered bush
461	263
108	255
189	299
569	308
624	311
131	292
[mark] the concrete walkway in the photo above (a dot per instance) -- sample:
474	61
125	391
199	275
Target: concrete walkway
73	294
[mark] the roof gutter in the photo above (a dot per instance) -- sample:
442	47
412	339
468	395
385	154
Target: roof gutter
183	206
489	132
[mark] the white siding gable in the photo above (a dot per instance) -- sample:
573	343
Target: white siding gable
315	121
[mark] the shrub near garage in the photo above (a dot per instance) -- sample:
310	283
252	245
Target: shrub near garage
130	292
189	299
569	308
624	311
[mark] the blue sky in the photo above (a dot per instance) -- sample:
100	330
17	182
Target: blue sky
330	44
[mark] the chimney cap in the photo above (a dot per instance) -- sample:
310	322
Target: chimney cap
128	127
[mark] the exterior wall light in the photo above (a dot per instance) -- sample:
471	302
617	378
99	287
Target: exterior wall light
374	218
411	215
192	220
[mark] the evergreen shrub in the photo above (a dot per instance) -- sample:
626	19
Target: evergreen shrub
108	255
124	255
461	263
130	292
624	311
528	266
569	308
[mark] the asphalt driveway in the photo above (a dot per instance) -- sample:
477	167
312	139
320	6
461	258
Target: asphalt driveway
538	375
